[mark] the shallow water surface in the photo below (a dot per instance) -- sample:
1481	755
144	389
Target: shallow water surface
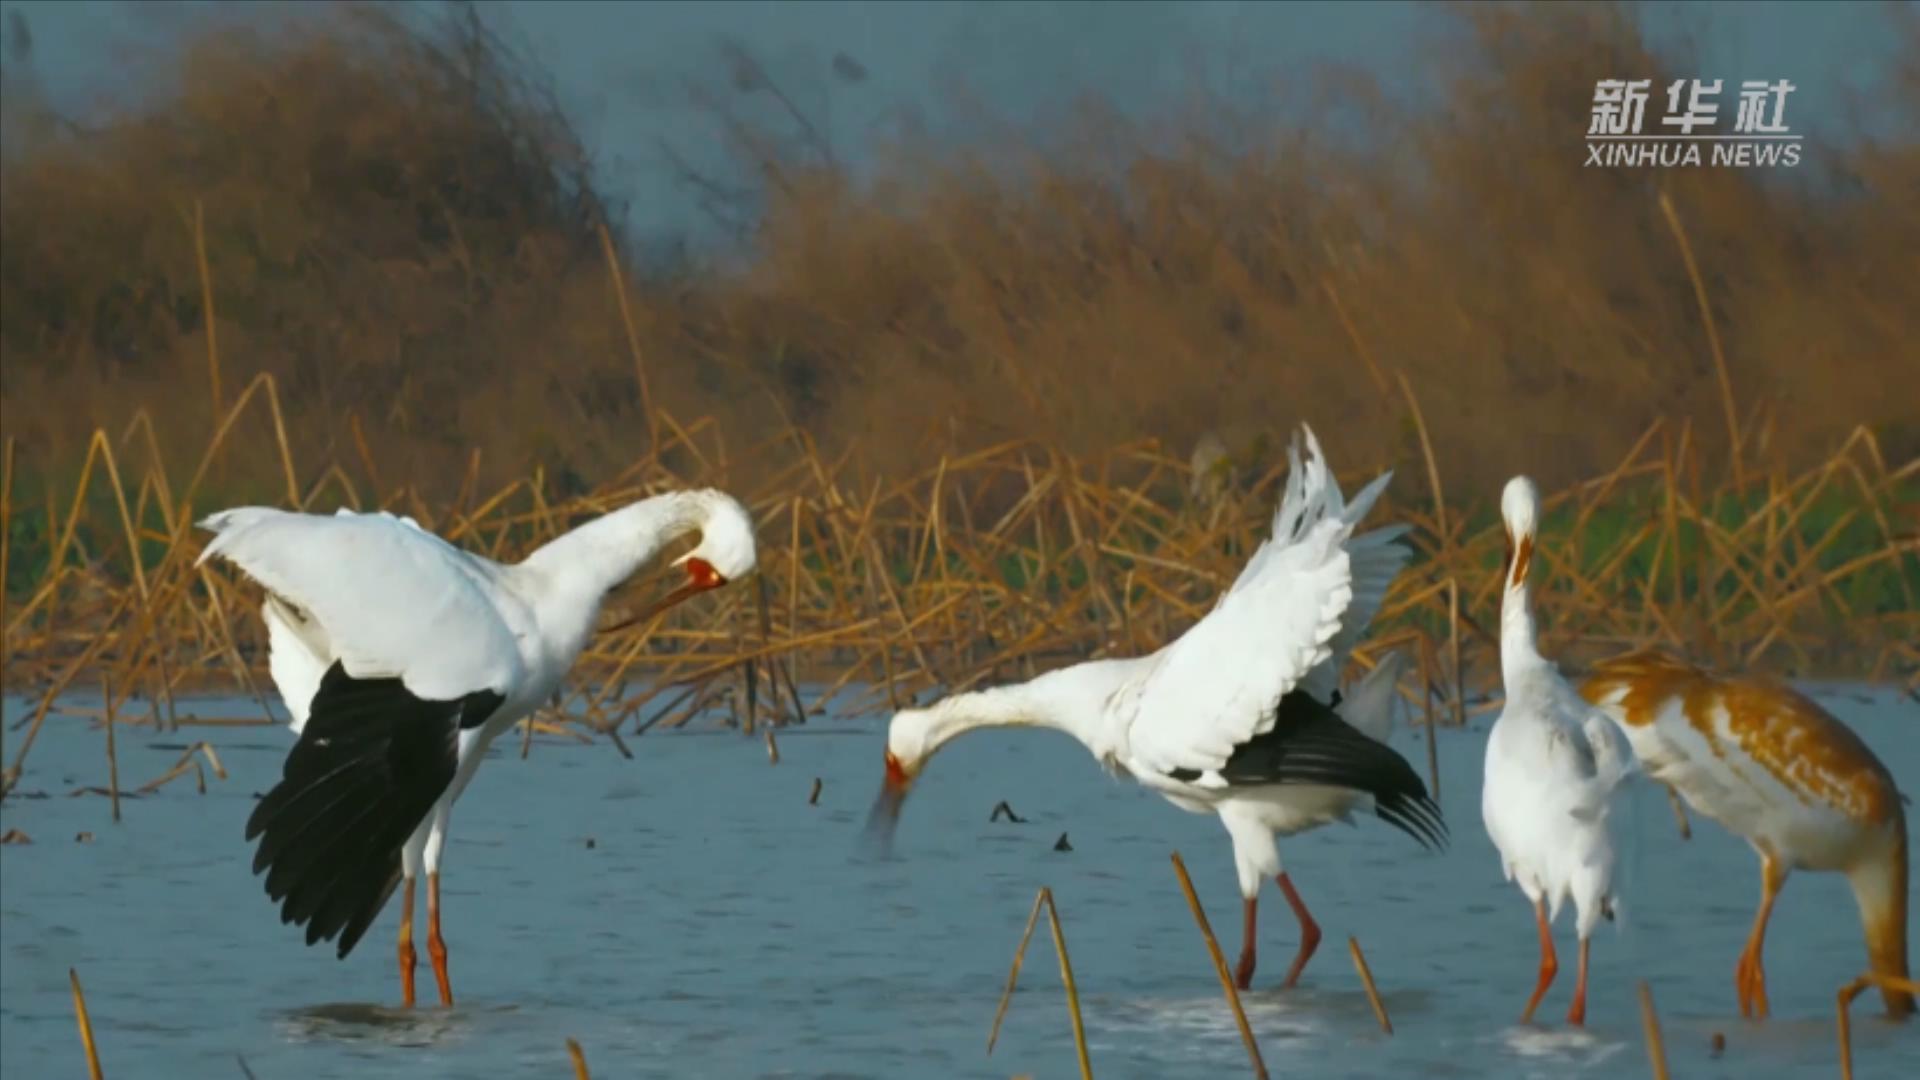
686	913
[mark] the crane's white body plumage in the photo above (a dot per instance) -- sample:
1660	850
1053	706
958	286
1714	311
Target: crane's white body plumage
380	598
1546	795
1196	721
1552	763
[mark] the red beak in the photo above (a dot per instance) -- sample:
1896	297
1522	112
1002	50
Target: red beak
701	577
885	815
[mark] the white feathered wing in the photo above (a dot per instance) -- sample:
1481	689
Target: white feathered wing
377	593
1220	683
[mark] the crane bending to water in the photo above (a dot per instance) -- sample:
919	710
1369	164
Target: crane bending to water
1241	716
1775	768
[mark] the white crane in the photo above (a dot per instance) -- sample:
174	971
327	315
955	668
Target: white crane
1552	767
400	658
1242	715
1774	767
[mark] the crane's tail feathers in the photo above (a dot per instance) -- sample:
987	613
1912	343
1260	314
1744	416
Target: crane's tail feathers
1369	705
1310	743
1612	757
1613	763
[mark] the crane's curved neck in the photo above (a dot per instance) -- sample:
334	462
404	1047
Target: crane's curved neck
583	564
1519	648
1879	881
1072	700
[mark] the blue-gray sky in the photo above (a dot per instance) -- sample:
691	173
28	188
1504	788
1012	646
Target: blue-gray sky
618	66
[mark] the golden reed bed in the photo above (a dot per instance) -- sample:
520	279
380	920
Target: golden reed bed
995	564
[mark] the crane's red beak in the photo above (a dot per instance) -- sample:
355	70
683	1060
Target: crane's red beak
701	577
885	815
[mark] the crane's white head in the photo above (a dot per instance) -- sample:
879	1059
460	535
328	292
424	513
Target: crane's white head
725	553
726	550
1056	700
911	741
1520	509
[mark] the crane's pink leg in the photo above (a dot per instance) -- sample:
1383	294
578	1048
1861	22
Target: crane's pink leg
1749	978
408	958
1549	964
1309	931
1243	973
436	947
1577	1015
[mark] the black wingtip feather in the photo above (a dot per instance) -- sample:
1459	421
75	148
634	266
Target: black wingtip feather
371	761
1311	744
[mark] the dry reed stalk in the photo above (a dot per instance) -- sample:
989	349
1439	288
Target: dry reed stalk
86	1025
750	686
113	758
1044	898
1458	690
1650	1024
1679	812
1433	733
1220	967
776	671
1843	1022
366	462
900	612
1430	719
1353	335
1403	603
633	334
98	449
1707	641
1366	980
207	320
579	1057
6	548
1713	336
232	649
263	382
793	605
1433	468
671	705
1073	994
